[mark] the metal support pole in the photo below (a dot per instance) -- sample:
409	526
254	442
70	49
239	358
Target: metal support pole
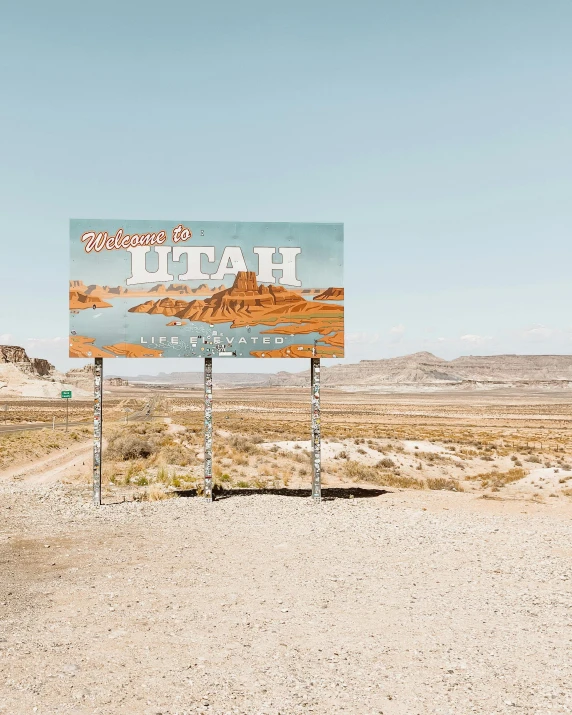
97	428
67	412
208	428
316	433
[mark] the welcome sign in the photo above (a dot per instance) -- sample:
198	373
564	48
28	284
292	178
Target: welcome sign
141	289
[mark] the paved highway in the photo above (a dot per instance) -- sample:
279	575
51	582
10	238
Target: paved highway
145	413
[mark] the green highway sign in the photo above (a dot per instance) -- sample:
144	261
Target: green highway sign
66	394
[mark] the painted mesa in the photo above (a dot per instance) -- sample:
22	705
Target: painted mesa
210	289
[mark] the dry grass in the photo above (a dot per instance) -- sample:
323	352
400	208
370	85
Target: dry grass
366	473
155	492
499	479
442	483
16	447
478	438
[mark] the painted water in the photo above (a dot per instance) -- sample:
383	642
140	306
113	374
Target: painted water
195	339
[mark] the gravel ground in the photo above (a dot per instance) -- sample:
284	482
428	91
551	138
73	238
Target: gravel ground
406	603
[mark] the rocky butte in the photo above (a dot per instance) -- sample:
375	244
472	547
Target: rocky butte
31	377
248	303
15	355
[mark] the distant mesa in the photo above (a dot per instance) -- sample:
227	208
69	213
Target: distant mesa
81	301
331	294
247	303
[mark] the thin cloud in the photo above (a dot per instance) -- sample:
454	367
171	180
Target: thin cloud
362	338
475	339
538	332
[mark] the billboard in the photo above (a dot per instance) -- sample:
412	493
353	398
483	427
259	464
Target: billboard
141	289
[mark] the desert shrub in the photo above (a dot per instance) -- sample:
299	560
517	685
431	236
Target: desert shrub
386	462
242	484
442	483
176	454
248	447
357	470
129	446
534	459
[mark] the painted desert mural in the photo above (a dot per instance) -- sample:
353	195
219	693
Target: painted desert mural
125	299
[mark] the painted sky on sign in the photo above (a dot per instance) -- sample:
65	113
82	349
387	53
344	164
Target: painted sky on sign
438	133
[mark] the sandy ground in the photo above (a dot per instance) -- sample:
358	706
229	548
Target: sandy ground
409	603
53	467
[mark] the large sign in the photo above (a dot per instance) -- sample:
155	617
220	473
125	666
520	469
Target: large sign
206	289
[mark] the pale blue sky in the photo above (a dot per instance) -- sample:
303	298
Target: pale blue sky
437	132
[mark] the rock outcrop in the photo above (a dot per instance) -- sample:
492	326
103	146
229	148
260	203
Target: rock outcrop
23	376
81	377
15	355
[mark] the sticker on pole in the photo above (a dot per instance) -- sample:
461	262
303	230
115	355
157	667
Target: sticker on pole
66	394
141	289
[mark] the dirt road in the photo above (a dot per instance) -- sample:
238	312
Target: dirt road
53	467
407	603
